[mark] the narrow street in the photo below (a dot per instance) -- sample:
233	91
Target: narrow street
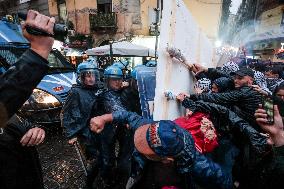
60	162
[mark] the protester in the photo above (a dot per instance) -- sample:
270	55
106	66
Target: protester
233	135
244	100
229	67
19	163
273	76
270	171
259	80
76	112
202	85
278	97
222	84
165	141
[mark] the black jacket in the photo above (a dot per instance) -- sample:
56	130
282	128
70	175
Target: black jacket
19	166
17	84
243	101
77	110
226	121
130	99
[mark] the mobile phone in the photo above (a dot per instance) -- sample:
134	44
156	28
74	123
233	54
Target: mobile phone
269	108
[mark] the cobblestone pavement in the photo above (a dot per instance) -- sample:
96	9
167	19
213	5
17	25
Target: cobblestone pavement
60	162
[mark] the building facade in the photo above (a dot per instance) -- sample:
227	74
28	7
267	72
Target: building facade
266	42
15	6
207	14
105	20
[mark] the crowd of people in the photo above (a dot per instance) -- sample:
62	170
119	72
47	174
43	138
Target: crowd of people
225	139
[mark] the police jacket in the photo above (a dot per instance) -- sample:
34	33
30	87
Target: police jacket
108	101
244	101
77	110
130	99
17	84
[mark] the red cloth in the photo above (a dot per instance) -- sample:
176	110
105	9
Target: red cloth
205	137
170	187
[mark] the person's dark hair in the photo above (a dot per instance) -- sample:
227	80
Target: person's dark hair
275	70
224	84
259	67
279	102
278	88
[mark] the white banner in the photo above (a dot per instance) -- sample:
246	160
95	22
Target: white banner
178	29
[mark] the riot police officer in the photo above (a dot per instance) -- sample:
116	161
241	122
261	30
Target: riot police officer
151	63
76	112
109	101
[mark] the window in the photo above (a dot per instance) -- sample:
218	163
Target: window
104	6
62	10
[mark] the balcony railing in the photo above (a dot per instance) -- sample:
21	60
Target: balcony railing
103	22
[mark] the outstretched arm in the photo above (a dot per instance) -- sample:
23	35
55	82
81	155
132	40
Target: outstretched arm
132	119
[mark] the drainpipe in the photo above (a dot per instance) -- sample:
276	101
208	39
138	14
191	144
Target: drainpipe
156	28
75	15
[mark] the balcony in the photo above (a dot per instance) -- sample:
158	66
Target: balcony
103	22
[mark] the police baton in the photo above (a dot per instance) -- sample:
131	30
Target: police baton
79	152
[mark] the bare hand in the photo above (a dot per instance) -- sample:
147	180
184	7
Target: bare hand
42	45
72	141
182	96
125	84
188	112
198	90
275	130
199	68
259	90
97	124
33	137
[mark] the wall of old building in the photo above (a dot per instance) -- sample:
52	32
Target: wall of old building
264	5
207	14
133	17
14	6
39	5
77	12
270	19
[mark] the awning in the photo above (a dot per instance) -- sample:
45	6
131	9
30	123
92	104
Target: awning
123	48
74	52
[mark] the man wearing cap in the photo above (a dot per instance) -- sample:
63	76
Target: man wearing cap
165	141
243	100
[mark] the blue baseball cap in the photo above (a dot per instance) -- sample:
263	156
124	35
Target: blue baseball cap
165	139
